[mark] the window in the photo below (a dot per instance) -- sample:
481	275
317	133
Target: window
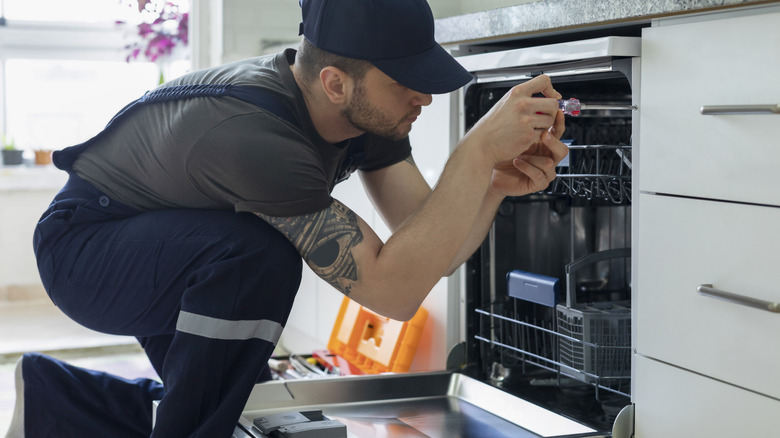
54	103
82	11
64	70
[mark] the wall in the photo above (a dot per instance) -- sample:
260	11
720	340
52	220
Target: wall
256	27
25	192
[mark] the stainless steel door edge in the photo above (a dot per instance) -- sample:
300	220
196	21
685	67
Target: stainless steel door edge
514	409
379	396
278	395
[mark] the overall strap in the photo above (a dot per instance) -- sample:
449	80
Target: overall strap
254	95
260	97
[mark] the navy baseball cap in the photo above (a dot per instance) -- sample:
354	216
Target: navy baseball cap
396	36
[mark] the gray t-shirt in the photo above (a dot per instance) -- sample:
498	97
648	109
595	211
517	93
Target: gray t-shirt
225	153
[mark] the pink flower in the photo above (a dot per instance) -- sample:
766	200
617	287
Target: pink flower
159	37
144	29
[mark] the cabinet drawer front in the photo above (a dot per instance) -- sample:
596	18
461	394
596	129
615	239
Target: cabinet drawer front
734	61
684	243
672	403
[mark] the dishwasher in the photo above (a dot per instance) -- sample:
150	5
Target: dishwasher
546	299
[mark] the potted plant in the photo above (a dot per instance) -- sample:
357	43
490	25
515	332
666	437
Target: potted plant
11	155
42	156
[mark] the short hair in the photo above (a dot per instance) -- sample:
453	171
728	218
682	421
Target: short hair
311	60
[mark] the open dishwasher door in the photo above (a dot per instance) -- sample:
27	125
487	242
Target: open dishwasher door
434	404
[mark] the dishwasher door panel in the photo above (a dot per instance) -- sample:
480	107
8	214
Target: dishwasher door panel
435	404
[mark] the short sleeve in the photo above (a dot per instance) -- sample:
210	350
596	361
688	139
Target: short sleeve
383	152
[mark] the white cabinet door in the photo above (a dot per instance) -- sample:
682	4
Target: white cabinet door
684	243
734	61
679	404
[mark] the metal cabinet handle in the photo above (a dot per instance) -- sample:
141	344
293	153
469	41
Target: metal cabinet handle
740	109
708	291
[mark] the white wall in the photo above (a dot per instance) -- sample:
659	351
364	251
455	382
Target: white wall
24	195
256	27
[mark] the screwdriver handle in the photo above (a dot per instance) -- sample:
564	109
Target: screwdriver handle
570	107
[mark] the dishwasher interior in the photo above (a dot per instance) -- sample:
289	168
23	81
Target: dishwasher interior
548	295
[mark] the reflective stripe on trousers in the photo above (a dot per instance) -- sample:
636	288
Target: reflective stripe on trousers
216	328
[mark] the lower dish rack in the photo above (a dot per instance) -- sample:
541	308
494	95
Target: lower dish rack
588	342
584	346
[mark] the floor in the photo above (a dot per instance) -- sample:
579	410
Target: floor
41	327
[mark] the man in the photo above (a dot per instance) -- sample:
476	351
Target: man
184	223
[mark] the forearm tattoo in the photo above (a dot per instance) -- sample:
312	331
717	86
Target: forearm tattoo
325	240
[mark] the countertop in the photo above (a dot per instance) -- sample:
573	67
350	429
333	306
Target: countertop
544	16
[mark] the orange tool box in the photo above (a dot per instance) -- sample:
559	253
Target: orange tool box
364	342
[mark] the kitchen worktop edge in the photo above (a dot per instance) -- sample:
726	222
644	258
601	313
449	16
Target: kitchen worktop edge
550	15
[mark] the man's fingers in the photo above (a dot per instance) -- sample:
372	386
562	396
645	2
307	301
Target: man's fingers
558	150
540	170
541	84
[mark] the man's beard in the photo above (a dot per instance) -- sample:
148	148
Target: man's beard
368	118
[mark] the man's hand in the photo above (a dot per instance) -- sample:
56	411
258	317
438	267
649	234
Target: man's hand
517	121
534	169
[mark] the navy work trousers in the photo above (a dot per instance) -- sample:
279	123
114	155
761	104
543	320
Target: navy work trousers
206	292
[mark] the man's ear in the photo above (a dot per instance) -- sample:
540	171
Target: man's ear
336	84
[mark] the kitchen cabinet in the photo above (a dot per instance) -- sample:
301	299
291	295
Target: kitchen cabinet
732	62
678	403
685	243
707	213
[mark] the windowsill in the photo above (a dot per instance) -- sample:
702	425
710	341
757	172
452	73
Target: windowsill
31	177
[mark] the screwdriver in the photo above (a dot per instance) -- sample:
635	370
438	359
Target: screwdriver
572	107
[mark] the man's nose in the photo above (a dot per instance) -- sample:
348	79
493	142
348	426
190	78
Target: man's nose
422	99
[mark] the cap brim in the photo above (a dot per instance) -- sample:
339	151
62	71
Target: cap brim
433	71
